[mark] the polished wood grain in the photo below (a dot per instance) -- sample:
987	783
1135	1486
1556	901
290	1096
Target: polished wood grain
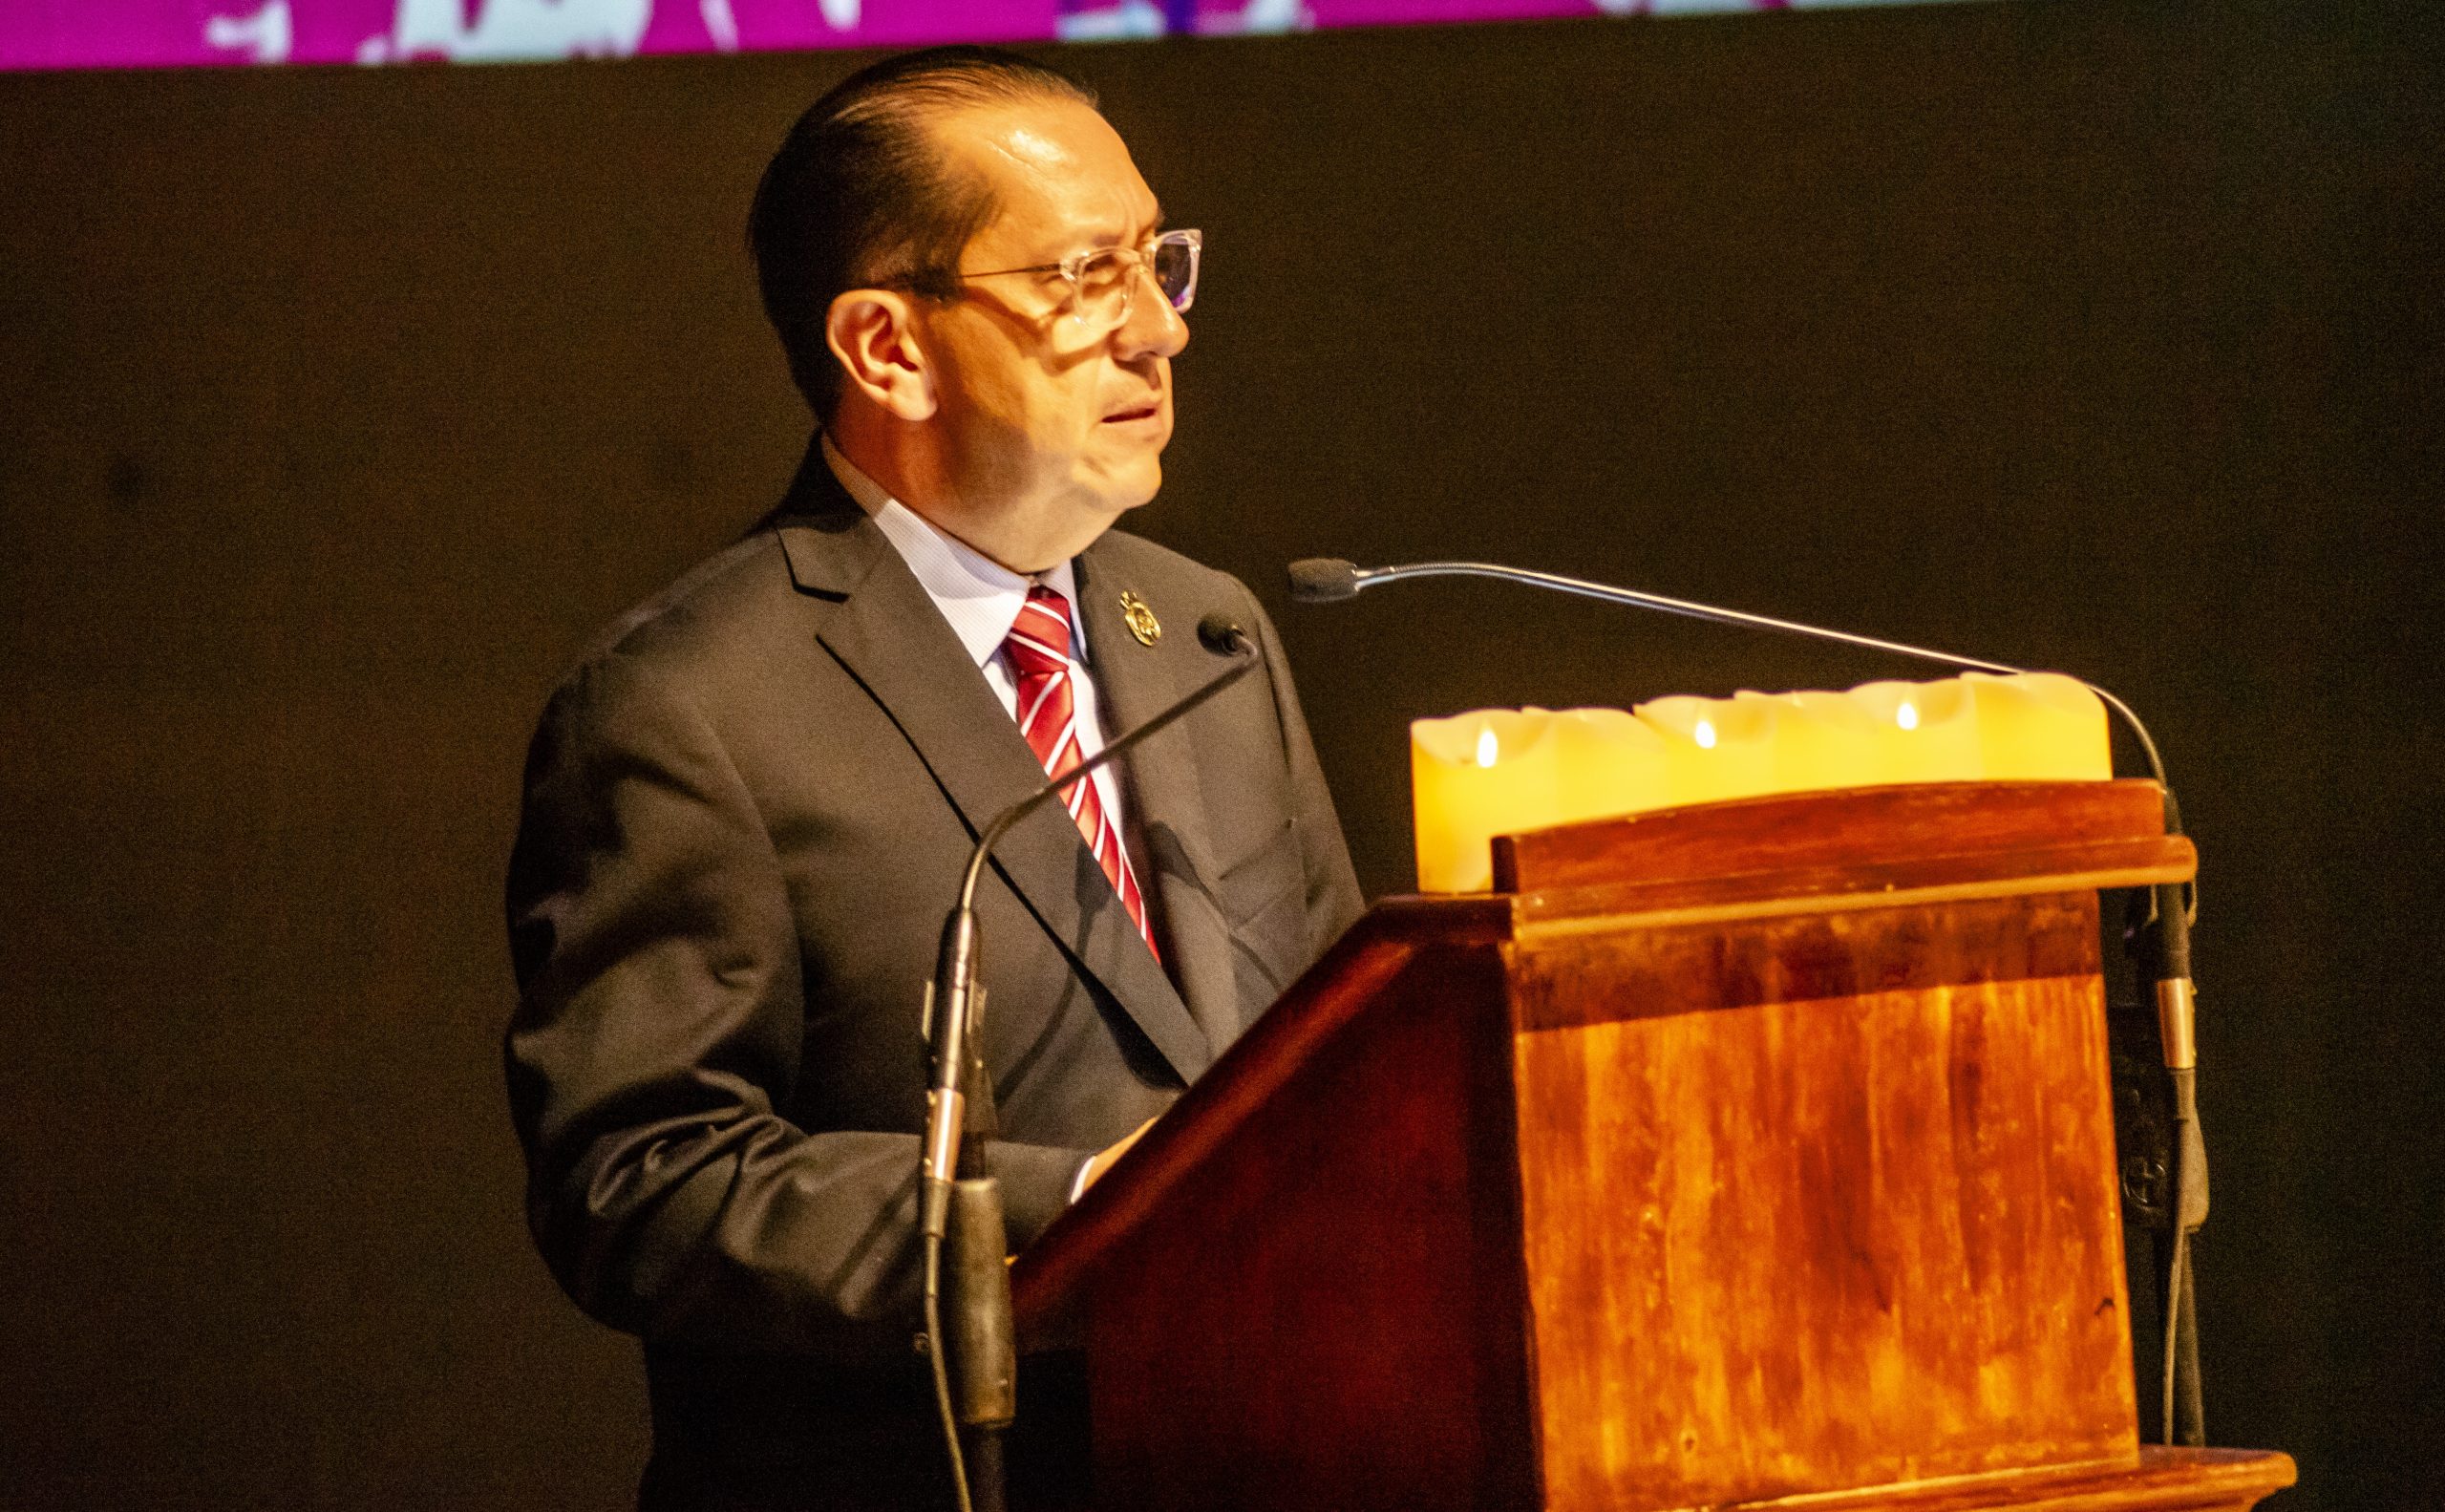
1820	1201
1754	1154
1567	978
1848	828
1831	852
2162	1480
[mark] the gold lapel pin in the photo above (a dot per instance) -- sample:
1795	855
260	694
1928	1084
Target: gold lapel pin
1136	613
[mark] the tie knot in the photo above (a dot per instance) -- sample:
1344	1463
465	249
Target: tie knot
1039	642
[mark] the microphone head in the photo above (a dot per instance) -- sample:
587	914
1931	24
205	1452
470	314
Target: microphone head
1220	634
1321	579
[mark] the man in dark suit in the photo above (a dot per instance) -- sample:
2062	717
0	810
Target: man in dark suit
748	808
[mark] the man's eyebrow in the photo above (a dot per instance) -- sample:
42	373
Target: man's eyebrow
1133	237
1153	230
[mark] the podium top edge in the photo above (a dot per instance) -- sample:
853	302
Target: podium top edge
1873	828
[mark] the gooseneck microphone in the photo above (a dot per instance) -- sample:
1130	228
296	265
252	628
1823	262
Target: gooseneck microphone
976	1375
1322	579
2158	937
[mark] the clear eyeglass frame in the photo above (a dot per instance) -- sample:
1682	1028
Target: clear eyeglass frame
1103	281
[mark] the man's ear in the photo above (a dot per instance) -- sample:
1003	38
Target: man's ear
872	333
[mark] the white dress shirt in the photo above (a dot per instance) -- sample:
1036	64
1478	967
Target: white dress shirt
982	598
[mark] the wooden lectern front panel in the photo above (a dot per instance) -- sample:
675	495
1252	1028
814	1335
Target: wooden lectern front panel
1327	1311
1818	1201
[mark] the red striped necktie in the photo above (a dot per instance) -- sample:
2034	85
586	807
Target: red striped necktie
1039	650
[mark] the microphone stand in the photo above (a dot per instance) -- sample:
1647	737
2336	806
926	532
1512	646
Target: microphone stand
2158	938
976	1364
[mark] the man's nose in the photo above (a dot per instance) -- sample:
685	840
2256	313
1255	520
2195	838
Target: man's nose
1153	328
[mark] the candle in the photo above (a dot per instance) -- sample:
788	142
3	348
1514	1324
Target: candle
1928	731
1821	740
1715	748
1610	764
2040	727
1504	771
1475	776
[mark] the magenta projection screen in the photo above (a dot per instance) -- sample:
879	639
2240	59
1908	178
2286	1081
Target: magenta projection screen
163	33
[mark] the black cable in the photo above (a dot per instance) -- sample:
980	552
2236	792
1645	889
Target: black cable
933	1342
2176	1290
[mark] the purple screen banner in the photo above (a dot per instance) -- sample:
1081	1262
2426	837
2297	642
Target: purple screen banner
173	33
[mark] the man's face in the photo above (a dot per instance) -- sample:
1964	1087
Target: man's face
1051	427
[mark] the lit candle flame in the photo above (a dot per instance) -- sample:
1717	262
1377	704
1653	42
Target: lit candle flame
1704	735
1487	747
1906	714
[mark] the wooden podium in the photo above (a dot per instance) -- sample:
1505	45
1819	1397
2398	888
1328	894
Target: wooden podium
1756	1153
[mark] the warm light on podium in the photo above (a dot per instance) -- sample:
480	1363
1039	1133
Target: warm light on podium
1504	771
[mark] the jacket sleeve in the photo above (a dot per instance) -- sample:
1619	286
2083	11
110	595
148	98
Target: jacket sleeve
1334	899
659	1025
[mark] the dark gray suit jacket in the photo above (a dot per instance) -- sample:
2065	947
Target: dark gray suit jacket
746	813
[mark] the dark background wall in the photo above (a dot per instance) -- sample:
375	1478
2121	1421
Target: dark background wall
337	407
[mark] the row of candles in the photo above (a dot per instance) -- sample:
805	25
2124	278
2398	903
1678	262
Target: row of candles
1504	770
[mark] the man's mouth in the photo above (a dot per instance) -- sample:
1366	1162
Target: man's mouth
1136	412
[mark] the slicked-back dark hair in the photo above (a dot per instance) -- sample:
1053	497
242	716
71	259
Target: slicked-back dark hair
862	194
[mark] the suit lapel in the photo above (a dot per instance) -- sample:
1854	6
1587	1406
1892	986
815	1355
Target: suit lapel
1167	791
877	620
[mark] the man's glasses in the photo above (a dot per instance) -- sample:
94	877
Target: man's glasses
1103	283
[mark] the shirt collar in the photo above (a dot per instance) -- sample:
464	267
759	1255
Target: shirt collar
980	597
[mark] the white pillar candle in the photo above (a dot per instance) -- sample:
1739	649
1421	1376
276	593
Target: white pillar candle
1610	764
1473	777
1928	729
1715	748
2040	727
1820	740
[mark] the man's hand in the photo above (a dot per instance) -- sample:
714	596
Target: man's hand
1107	1159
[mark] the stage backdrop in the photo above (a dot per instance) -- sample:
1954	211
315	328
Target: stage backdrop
341	406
